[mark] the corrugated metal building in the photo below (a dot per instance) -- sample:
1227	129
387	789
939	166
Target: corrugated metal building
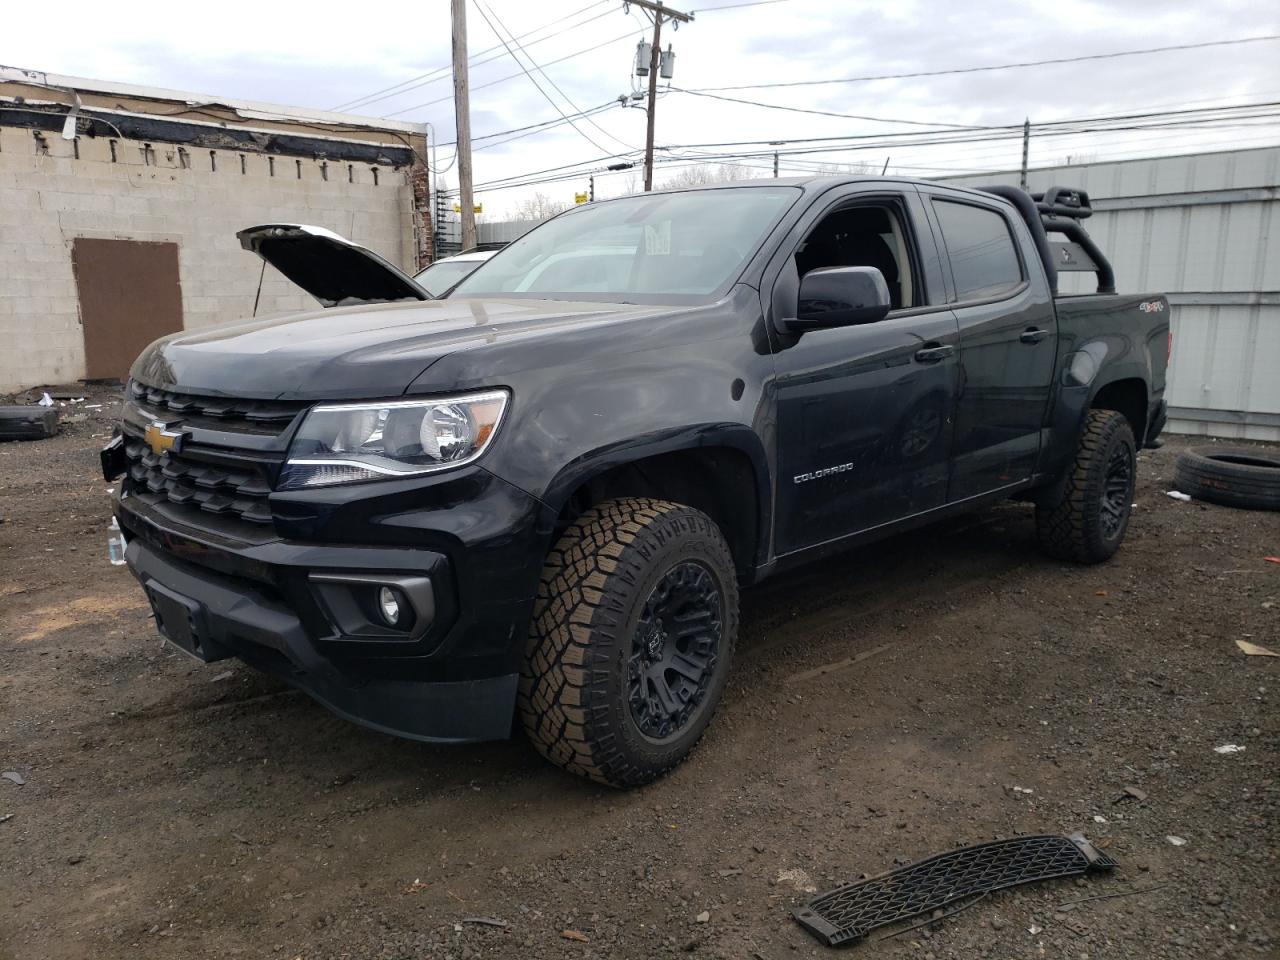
1202	229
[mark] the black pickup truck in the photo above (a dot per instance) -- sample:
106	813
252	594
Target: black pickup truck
538	496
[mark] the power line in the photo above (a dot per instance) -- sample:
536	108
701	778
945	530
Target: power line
440	73
945	136
824	113
533	80
997	66
547	77
512	76
535	127
571	171
736	6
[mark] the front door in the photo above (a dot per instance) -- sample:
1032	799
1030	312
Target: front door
1008	342
865	412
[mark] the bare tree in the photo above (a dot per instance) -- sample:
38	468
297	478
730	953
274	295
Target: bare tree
537	207
845	169
707	173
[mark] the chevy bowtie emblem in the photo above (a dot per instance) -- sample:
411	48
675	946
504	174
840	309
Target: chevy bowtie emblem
161	439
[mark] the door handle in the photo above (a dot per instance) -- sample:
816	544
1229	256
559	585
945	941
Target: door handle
934	352
1033	335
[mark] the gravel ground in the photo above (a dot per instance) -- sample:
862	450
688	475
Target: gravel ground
177	810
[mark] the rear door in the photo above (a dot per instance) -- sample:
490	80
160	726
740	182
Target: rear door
1008	341
864	413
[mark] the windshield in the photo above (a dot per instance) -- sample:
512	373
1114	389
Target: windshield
442	275
687	245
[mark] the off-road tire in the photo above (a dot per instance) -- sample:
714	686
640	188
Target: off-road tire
573	698
1071	525
1246	477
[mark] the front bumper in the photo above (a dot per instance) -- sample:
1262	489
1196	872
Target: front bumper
282	603
213	618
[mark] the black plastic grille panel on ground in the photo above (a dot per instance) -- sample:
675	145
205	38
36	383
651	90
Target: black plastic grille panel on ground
849	912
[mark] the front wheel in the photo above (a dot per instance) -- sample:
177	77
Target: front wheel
1089	514
632	636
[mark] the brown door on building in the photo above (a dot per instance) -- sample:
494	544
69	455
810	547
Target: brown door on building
129	295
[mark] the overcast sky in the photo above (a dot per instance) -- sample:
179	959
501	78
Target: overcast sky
326	54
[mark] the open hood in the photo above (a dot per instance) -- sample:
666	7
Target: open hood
331	268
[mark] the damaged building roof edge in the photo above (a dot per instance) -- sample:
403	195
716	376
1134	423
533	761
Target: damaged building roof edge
247	109
50	117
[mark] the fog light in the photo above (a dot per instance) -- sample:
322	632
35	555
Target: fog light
389	605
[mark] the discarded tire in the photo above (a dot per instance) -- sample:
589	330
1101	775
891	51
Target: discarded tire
28	423
1247	477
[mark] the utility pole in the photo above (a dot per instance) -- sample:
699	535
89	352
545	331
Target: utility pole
659	13
1026	149
462	113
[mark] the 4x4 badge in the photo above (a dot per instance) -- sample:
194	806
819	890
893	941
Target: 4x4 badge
161	439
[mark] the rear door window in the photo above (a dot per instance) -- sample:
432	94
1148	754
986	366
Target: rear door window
984	260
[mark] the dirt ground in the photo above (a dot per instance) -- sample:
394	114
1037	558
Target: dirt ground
183	811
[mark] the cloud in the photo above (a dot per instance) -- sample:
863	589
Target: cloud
329	53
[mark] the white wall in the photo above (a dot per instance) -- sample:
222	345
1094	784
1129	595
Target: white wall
46	200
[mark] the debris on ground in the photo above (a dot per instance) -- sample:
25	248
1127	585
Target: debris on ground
484	921
848	913
798	879
703	917
1253	650
28	423
1176	495
1131	793
5	817
1177	841
577	936
1229	748
14	777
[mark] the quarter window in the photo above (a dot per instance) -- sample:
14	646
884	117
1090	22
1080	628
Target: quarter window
984	261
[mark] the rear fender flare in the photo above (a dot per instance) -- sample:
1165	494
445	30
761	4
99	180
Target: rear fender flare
1083	374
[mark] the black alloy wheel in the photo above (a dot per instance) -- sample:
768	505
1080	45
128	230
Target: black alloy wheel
1117	492
674	650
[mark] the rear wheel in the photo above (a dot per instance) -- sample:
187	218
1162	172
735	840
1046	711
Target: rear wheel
1087	518
631	641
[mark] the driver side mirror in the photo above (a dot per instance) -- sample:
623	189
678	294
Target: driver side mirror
840	297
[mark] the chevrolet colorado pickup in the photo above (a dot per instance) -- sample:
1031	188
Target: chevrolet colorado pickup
536	498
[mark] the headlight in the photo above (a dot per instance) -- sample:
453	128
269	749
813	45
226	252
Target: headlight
340	443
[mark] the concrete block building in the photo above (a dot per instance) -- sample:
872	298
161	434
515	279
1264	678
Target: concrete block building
119	207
